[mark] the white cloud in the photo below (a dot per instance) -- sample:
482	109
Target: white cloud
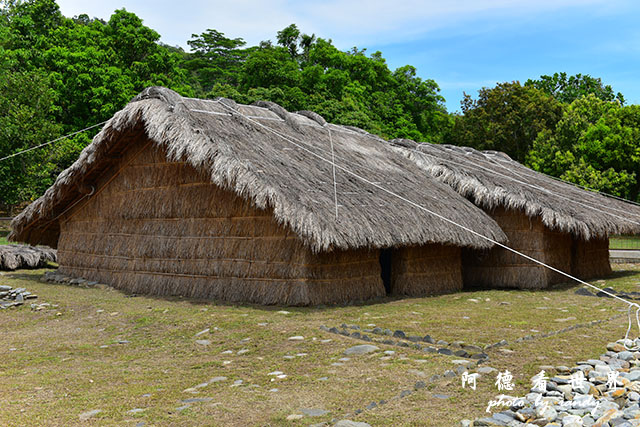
347	22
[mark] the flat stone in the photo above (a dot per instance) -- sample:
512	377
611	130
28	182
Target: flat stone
399	334
294	417
441	396
311	412
625	355
585	292
480	356
547	412
203	342
296	338
197	399
361	349
486	370
445	351
349	423
89	414
136	411
428	339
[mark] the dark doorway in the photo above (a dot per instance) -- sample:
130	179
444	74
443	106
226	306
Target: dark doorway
385	269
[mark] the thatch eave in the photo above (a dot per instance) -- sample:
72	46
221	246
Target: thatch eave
492	179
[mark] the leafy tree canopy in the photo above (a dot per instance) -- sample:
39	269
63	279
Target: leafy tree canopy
595	144
568	89
506	118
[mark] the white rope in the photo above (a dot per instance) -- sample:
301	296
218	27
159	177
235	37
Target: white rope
443	218
418	206
51	142
333	164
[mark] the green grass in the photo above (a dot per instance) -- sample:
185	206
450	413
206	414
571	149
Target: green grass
624	242
53	367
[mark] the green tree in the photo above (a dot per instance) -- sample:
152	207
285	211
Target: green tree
26	108
506	118
595	145
215	59
568	89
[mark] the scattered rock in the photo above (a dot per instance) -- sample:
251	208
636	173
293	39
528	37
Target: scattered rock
311	412
349	423
294	417
585	292
361	349
89	414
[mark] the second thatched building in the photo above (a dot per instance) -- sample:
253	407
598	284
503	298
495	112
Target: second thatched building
560	224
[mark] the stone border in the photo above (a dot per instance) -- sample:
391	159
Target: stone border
55	277
458	349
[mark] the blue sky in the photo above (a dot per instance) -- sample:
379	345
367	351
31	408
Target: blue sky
463	45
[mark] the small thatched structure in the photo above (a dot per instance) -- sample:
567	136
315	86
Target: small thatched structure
179	196
550	220
13	257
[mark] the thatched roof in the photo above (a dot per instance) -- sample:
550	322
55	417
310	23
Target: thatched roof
255	152
13	257
491	179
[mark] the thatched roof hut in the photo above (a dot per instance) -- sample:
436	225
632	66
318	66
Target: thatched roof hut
553	221
214	199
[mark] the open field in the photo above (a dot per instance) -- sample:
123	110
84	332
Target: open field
4	231
100	349
624	242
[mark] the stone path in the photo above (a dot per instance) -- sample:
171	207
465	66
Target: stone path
600	392
426	343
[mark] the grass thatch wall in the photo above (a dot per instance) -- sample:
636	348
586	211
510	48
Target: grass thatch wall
590	259
160	227
426	270
500	268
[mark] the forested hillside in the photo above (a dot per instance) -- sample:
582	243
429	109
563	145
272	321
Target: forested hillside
60	74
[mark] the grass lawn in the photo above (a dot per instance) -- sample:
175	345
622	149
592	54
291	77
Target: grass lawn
5	227
624	242
63	361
